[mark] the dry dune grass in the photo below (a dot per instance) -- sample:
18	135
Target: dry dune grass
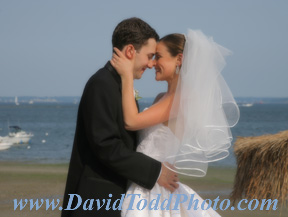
262	167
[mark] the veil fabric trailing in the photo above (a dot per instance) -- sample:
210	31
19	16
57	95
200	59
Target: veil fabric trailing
203	109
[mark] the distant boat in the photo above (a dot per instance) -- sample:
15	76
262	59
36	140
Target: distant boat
31	102
247	104
18	136
5	143
16	101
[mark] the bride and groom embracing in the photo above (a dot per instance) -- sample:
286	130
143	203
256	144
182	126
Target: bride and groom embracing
184	129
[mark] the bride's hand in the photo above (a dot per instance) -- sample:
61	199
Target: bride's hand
122	64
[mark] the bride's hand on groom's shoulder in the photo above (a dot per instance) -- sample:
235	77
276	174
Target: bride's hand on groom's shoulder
168	179
123	65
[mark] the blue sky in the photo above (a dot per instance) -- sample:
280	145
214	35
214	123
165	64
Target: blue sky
51	48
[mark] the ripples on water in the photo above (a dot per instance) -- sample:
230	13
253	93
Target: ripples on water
59	121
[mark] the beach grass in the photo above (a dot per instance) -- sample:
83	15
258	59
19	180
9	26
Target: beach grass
47	181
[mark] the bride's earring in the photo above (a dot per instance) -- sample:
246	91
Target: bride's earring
177	70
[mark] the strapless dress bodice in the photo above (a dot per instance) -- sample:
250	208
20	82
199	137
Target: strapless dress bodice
153	141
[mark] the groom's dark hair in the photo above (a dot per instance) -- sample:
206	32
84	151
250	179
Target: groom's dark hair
133	31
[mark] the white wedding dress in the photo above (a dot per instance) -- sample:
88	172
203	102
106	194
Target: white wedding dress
153	141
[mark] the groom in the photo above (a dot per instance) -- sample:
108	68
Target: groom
103	157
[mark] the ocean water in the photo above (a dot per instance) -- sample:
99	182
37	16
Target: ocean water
58	121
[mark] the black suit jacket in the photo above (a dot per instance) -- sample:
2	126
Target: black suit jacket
103	156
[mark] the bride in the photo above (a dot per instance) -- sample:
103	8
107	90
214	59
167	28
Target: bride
187	127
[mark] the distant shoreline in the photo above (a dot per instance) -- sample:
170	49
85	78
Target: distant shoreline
76	100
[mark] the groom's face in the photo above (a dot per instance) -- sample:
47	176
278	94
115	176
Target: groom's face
144	58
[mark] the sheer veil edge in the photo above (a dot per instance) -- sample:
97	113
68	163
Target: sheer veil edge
203	109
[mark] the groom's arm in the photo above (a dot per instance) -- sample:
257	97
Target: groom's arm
105	140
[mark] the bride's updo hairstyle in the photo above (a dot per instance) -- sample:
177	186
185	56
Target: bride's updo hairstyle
175	43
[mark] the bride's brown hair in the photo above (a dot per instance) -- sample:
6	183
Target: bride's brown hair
174	42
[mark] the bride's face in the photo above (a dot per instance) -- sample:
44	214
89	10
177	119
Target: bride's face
165	64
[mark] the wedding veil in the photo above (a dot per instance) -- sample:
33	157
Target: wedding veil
203	109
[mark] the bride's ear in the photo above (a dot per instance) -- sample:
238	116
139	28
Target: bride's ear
179	59
129	51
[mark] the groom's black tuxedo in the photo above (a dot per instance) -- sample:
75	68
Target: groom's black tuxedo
103	156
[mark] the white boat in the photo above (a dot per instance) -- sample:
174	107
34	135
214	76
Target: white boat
247	104
18	136
16	100
5	143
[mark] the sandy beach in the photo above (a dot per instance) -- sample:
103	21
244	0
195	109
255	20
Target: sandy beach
42	181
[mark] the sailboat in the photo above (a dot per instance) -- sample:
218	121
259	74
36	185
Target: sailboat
16	101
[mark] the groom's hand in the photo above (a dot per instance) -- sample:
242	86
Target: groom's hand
168	179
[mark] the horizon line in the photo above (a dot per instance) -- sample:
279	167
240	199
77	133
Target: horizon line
142	97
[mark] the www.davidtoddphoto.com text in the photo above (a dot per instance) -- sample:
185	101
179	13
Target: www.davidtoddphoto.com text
155	204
